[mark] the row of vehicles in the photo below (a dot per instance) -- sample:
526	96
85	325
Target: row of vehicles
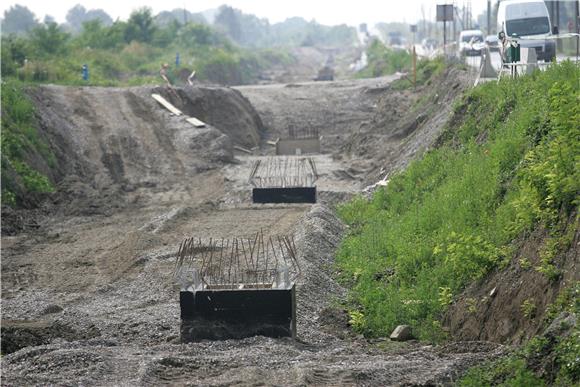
526	21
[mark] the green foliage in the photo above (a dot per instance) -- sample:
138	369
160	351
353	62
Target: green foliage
33	180
19	142
131	53
357	320
528	308
140	26
451	217
558	356
511	371
445	296
383	60
568	300
17	20
8	198
470	257
568	358
427	70
48	40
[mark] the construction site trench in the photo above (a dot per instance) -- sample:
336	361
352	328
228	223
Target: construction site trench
88	293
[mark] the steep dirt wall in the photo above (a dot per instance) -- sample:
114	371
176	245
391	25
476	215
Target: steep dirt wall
224	108
494	309
120	139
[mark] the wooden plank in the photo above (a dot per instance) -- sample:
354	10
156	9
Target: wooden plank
273	143
166	104
237	147
195	122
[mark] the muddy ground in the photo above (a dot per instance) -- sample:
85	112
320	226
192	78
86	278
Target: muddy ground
87	291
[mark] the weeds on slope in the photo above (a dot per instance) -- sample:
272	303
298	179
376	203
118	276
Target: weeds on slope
383	60
547	359
20	142
509	159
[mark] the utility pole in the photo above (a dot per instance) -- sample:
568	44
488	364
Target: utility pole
454	24
559	41
425	35
577	24
489	17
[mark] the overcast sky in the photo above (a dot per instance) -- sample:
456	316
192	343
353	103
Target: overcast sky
325	12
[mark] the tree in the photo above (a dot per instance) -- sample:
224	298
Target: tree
140	26
78	15
75	17
100	15
49	19
18	20
197	34
165	18
49	39
94	35
228	19
14	51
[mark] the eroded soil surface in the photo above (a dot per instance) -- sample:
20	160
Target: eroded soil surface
87	290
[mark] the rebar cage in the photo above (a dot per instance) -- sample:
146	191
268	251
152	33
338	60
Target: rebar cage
283	172
257	262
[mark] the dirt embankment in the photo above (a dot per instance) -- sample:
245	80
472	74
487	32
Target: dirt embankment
406	123
111	143
509	305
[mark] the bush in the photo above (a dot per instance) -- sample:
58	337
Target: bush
384	61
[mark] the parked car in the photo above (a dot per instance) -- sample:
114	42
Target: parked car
492	42
529	21
429	44
470	42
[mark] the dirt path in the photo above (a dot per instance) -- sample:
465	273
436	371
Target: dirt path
90	295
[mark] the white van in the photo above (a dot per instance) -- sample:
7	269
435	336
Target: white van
470	42
529	20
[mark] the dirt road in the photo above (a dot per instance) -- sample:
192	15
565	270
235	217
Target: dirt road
87	293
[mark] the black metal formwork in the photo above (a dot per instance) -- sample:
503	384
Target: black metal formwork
215	314
284	195
284	180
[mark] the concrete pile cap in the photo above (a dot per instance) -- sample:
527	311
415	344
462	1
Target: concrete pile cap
283	172
254	262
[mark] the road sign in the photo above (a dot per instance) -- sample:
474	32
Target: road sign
444	12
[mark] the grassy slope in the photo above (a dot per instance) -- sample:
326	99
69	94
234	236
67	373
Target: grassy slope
21	147
509	160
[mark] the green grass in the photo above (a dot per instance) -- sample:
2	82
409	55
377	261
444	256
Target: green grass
383	60
510	160
19	142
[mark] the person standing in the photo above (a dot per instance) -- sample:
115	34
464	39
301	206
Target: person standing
163	73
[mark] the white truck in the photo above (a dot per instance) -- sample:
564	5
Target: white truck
529	22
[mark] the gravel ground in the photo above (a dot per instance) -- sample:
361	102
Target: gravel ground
136	325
